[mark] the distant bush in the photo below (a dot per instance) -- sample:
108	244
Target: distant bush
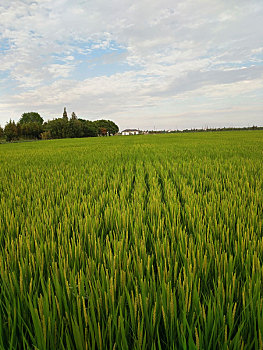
46	135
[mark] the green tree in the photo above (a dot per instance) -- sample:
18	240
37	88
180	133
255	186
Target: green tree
73	116
10	131
109	125
31	130
1	133
112	128
74	128
88	128
65	114
57	128
31	117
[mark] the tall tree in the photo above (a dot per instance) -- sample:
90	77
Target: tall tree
57	128
74	128
31	117
31	130
10	131
65	114
73	116
110	126
88	128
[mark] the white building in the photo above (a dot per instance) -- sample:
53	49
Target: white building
130	132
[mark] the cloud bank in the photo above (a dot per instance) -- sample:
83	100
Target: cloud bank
163	64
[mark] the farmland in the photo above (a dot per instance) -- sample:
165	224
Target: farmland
142	242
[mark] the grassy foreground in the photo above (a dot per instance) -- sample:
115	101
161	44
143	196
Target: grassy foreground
144	242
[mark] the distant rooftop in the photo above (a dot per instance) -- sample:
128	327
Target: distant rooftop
130	130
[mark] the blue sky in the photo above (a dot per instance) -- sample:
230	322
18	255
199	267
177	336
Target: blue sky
164	63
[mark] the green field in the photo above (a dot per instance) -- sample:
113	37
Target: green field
140	242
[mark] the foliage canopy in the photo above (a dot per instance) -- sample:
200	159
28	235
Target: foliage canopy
31	117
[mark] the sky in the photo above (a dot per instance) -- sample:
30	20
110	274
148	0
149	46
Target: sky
147	64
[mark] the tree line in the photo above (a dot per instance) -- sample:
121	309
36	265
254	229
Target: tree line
254	127
32	126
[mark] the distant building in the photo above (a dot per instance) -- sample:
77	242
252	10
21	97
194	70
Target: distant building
131	132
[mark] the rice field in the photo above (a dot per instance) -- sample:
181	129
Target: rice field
142	242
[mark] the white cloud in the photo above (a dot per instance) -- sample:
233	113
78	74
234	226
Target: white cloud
176	51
